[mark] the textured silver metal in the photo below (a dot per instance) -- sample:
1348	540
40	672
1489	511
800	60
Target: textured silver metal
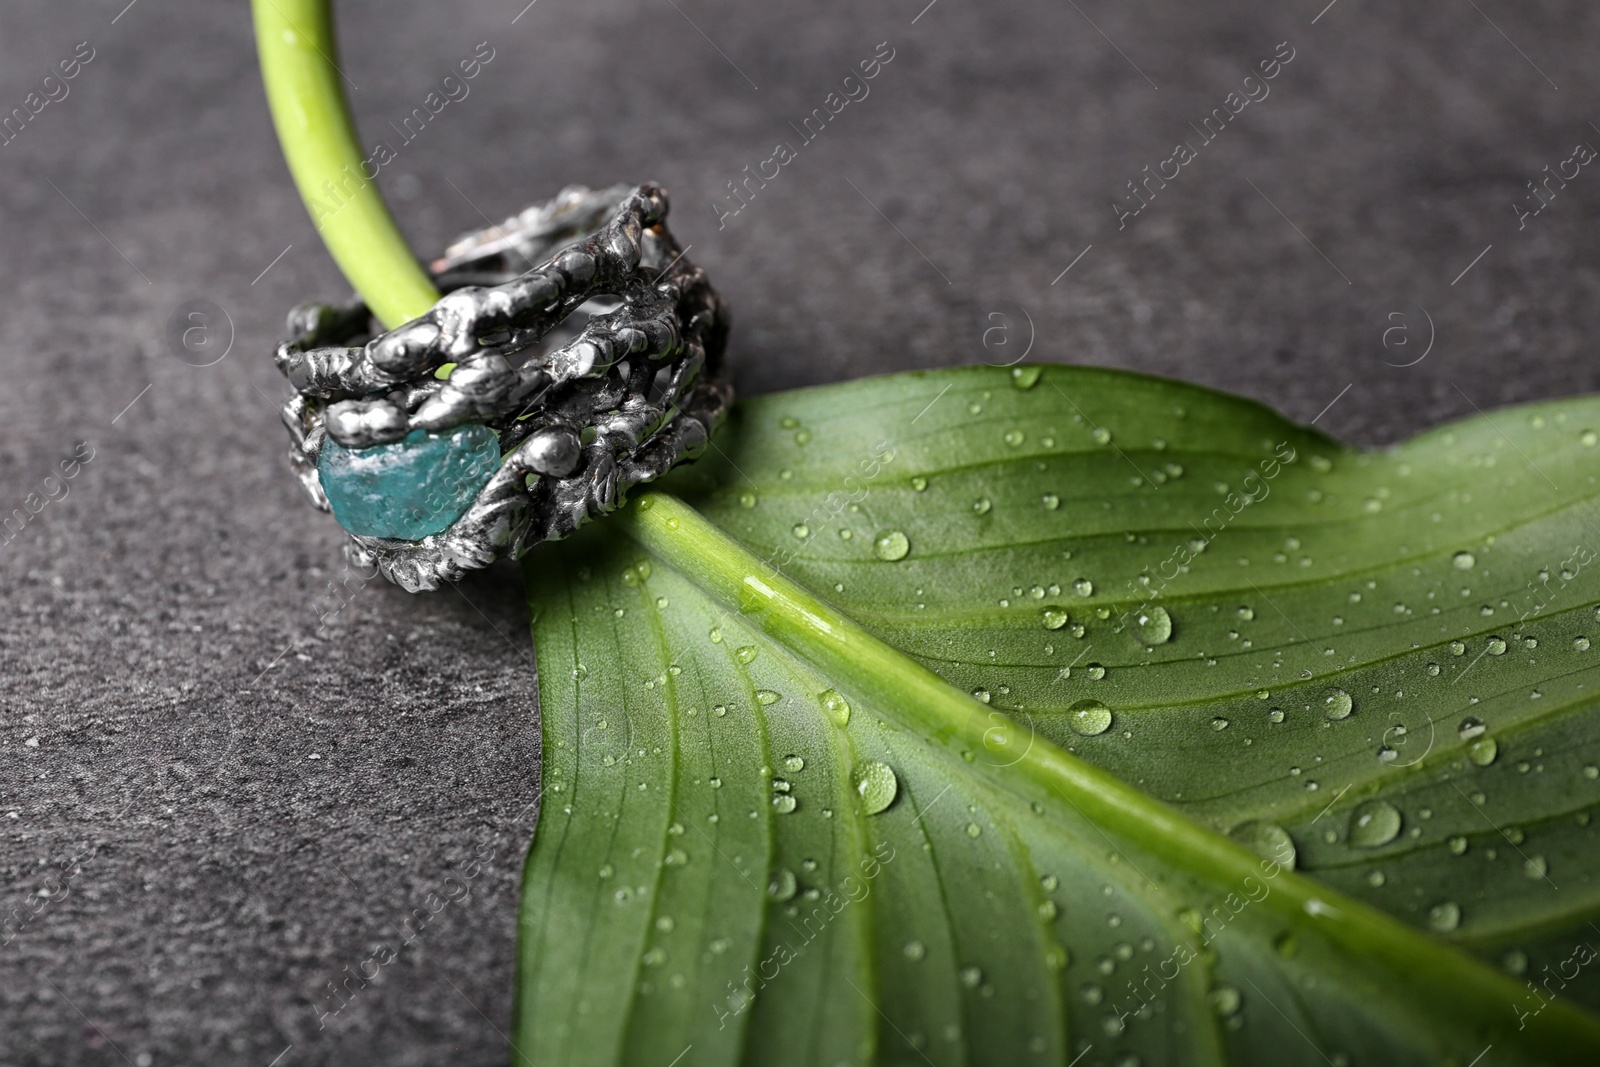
578	331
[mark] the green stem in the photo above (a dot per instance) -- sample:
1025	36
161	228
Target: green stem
299	58
839	648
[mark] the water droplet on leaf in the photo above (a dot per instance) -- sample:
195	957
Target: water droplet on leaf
1267	840
891	546
1224	1000
1154	626
836	706
1089	717
1374	823
1025	377
1336	704
876	784
781	884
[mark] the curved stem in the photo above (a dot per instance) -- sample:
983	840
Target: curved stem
1434	976
299	65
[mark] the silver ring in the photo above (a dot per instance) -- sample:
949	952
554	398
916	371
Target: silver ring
576	353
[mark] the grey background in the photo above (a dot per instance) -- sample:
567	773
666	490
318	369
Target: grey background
268	795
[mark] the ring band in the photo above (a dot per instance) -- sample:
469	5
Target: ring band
576	353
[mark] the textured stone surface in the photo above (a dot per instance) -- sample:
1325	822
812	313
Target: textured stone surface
410	488
275	776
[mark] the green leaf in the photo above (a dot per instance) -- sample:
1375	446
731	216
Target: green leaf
1054	874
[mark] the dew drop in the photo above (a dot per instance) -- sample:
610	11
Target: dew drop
1083	587
1013	438
1336	704
1444	917
1267	840
1580	644
1089	717
1483	751
747	500
1219	724
1101	435
1050	501
1374	823
1535	867
1224	1000
1154	626
971	977
1457	845
1053	618
919	483
891	546
1497	646
1458	648
784	803
767	696
781	884
982	505
745	653
915	950
876	784
836	706
1464	561
802	531
1471	728
1025	377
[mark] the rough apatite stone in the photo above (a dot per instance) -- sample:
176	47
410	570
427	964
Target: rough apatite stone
411	488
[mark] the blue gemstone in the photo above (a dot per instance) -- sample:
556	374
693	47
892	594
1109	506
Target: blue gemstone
411	488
